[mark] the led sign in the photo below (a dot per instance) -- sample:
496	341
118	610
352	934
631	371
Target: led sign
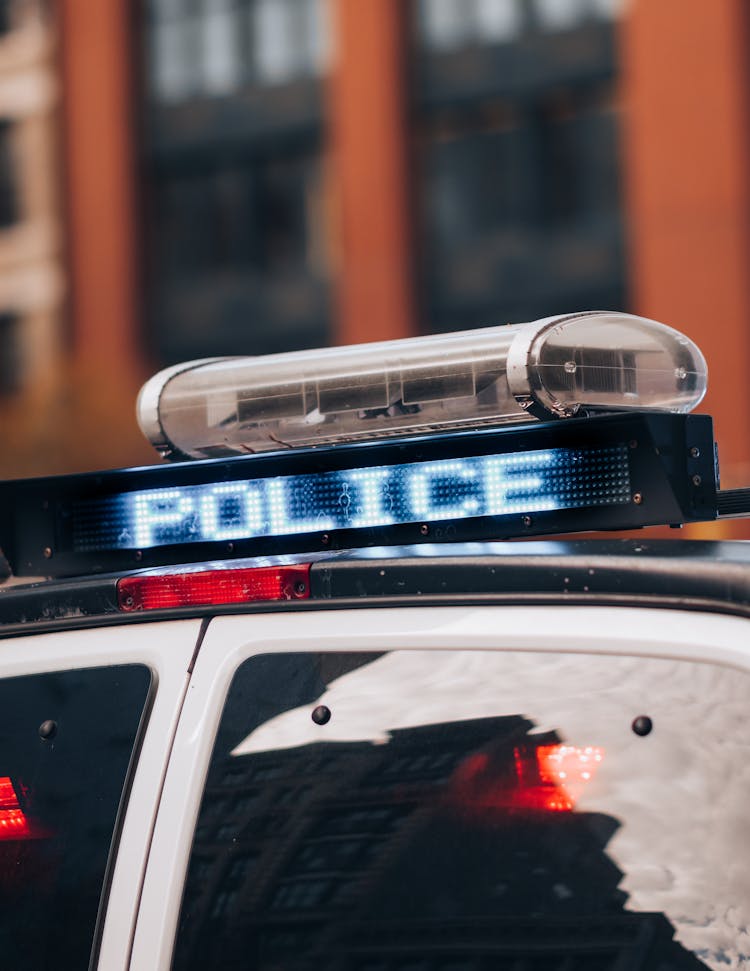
609	472
357	498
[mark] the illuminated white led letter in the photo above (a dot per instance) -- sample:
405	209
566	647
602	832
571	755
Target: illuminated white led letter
369	497
280	511
426	505
163	507
508	486
250	520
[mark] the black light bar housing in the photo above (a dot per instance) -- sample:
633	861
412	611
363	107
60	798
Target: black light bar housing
663	472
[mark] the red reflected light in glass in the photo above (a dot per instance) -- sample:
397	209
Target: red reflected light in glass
205	587
547	778
13	822
568	765
557	776
534	791
471	768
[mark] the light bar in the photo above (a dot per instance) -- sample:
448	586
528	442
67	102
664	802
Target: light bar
558	367
611	472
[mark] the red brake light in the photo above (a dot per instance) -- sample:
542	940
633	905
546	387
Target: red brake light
241	585
13	822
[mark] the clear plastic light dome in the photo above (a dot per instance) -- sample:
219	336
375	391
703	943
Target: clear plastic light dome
552	368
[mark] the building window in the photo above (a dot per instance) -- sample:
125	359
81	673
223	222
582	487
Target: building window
212	48
17	14
235	215
519	197
451	24
9	202
11	363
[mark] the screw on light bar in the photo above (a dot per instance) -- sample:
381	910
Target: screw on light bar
208	587
552	368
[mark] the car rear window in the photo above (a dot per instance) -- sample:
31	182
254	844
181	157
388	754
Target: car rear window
66	743
468	811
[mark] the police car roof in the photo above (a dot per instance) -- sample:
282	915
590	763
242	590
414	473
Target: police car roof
447	442
682	574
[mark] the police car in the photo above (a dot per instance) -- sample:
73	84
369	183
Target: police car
299	699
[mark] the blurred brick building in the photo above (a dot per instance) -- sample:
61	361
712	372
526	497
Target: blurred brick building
246	176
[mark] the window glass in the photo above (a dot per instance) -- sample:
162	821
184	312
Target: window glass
517	159
446	24
19	14
236	195
66	741
520	206
11	357
473	810
9	175
212	48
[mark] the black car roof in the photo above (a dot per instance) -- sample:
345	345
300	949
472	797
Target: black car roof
683	574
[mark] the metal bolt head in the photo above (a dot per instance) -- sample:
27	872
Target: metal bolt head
48	729
527	521
321	715
47	552
424	529
695	452
642	725
637	498
697	480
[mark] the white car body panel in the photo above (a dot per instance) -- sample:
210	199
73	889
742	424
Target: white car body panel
167	649
659	633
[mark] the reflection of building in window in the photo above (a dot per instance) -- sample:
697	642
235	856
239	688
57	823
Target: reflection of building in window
388	859
240	869
321	854
422	765
222	901
302	894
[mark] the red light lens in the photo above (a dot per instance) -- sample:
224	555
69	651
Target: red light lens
243	585
13	822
